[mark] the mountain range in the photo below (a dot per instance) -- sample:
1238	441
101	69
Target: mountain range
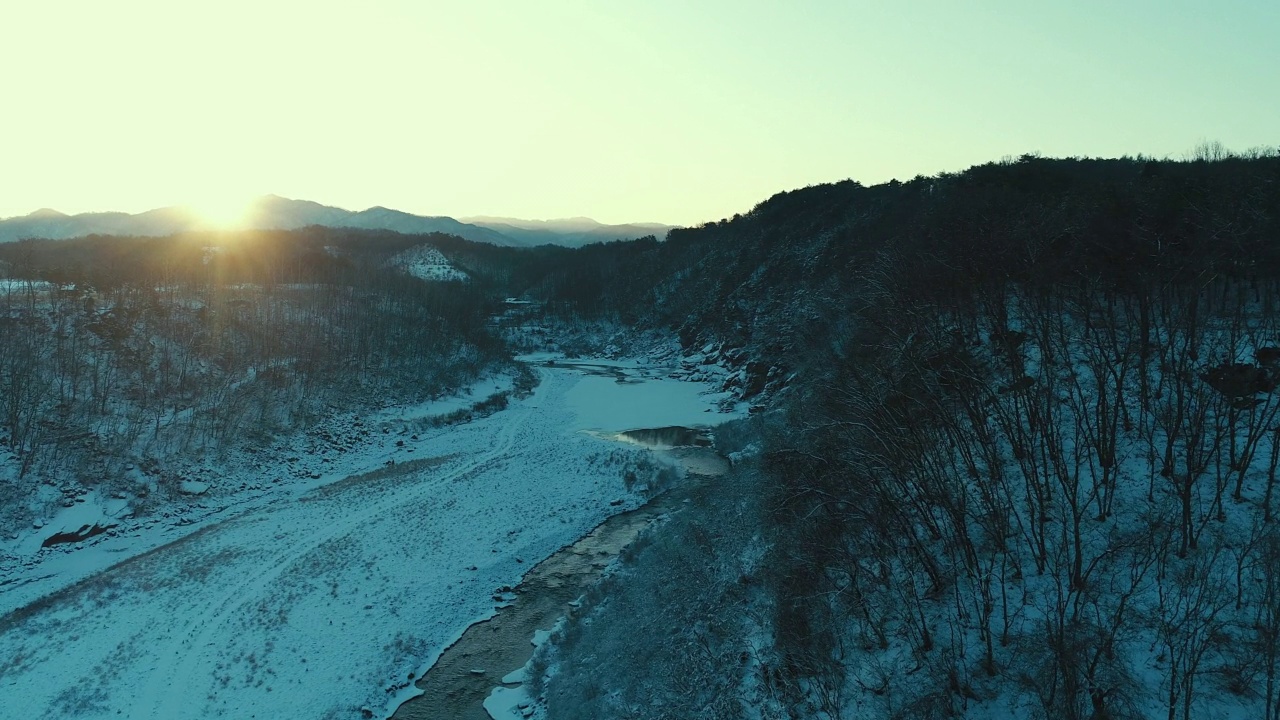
272	212
572	232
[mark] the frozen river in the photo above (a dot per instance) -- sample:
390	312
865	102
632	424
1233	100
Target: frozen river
328	603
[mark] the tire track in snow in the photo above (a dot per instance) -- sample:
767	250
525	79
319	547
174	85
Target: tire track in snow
169	696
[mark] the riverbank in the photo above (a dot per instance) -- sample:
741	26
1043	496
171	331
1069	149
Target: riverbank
469	670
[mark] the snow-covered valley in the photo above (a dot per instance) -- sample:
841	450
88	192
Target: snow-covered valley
327	598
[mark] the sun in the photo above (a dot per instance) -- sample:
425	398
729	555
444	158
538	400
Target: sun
222	211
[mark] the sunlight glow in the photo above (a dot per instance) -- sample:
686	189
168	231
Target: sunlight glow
222	211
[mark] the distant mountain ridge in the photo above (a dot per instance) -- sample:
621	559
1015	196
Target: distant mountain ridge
573	232
272	212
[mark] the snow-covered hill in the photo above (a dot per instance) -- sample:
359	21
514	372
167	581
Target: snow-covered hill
427	263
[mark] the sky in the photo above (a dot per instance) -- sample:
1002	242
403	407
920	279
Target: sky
672	111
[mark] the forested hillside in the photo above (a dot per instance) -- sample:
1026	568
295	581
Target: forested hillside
1021	458
122	359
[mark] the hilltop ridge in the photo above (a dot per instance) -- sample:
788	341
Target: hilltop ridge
273	212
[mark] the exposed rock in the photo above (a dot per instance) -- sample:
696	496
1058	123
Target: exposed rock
84	533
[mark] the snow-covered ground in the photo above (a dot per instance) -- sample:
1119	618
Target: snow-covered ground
338	447
323	599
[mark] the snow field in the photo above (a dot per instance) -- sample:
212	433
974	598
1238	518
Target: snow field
302	463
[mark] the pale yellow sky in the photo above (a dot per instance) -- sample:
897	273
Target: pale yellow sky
662	110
